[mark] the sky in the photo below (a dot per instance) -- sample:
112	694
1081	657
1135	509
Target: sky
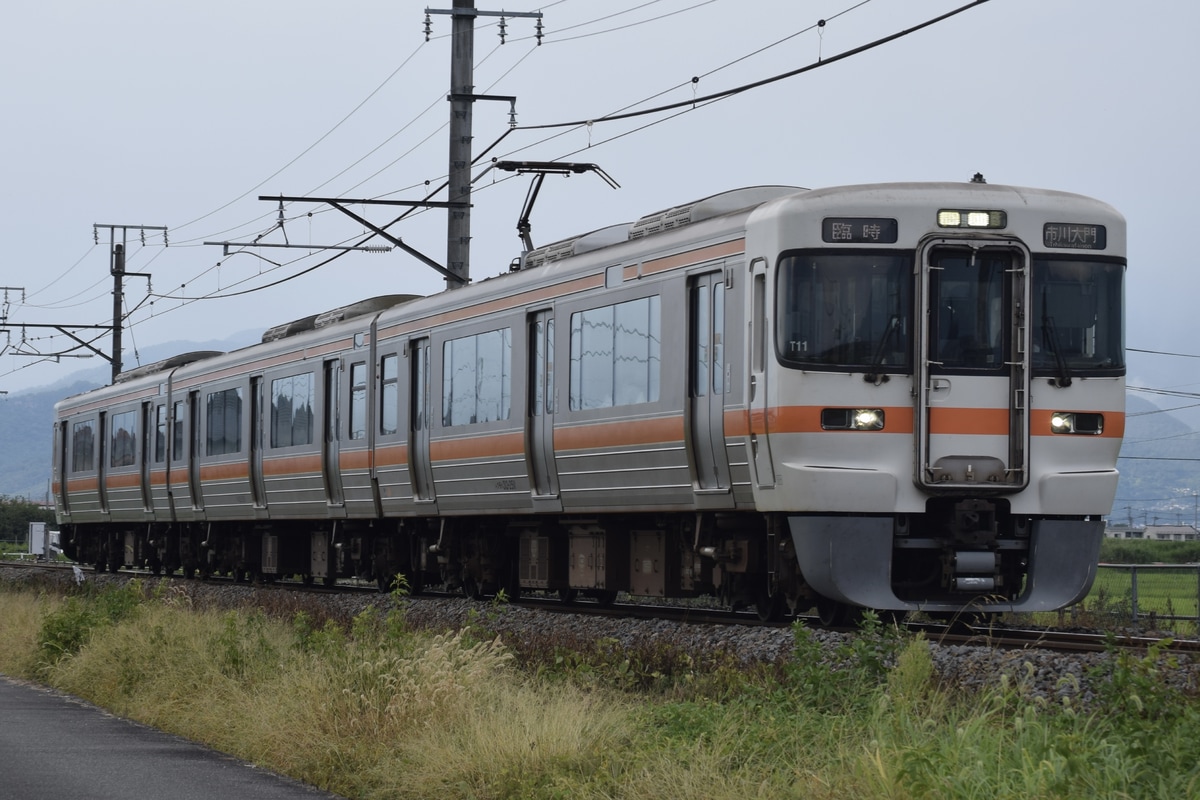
182	114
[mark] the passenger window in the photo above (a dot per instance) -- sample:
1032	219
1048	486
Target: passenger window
616	355
83	446
224	422
477	378
123	442
292	410
389	394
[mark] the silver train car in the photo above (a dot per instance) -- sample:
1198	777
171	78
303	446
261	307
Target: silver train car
892	396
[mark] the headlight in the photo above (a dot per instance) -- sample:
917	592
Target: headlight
852	419
1076	422
964	218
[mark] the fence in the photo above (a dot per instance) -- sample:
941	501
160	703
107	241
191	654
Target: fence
1140	593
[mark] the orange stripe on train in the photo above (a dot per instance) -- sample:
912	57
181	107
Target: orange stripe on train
624	433
500	444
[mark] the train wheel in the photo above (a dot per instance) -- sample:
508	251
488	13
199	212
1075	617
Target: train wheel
606	597
470	588
568	596
769	607
832	613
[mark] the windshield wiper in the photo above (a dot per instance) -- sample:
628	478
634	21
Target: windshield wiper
873	376
1050	339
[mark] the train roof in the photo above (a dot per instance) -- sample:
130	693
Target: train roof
672	218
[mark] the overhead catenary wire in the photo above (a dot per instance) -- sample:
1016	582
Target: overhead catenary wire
395	72
765	81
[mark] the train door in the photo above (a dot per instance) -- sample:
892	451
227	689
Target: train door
540	419
258	487
707	380
102	461
330	451
193	451
973	424
60	467
760	347
146	455
419	421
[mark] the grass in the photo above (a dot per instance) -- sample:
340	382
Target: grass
1166	599
369	708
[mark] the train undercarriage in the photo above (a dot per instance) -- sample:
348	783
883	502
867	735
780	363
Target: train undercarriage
960	555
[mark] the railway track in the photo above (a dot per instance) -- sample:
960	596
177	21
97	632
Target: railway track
988	635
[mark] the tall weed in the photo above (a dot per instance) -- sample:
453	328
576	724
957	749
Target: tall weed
65	630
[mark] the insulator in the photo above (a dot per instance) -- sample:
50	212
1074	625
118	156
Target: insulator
538	31
428	26
503	29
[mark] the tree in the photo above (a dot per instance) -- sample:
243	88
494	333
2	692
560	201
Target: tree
15	516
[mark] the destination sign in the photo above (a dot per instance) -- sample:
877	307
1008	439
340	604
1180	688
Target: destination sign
859	230
1074	236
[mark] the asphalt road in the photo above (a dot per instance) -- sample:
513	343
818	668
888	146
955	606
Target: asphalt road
56	746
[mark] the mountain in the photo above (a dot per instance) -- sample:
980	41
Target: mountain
27	417
1159	471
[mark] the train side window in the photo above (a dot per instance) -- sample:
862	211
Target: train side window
389	394
224	422
160	433
83	446
358	400
292	400
477	378
616	355
178	415
123	444
420	368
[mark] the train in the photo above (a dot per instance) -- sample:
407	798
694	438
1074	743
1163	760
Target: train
895	396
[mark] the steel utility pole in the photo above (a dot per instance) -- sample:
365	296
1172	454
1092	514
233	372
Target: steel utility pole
462	96
117	269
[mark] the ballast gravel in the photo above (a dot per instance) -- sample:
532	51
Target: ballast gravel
1038	674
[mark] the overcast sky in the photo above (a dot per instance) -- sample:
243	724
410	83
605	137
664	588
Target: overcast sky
181	114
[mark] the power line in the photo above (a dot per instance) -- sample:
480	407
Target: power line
765	81
1162	353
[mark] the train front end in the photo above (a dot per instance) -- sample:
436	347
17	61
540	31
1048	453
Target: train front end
937	388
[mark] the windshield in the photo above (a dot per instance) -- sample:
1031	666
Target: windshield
844	310
1077	309
968	311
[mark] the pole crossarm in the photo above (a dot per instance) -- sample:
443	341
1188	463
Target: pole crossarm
363	247
340	204
364	202
472	12
66	331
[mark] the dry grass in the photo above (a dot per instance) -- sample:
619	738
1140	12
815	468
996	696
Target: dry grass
21	615
370	709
